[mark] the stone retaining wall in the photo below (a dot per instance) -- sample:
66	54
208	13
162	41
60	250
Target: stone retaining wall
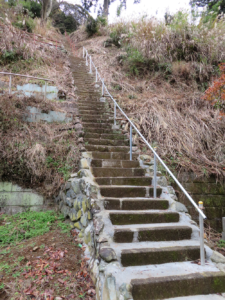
207	190
15	199
80	201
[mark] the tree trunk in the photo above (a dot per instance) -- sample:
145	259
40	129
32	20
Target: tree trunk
106	8
46	9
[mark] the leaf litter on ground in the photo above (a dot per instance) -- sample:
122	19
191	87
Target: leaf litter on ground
57	268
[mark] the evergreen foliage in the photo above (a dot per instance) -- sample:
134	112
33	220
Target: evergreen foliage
209	4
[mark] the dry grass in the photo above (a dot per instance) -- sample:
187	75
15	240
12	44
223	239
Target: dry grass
188	133
37	155
26	55
153	46
47	30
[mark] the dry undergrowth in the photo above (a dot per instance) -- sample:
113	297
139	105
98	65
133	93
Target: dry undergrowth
38	155
185	129
29	54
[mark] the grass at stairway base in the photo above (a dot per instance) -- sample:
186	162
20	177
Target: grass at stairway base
47	263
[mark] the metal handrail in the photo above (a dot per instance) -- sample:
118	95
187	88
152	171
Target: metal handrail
28	76
156	156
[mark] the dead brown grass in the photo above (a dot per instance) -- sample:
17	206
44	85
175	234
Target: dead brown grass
38	155
34	56
187	132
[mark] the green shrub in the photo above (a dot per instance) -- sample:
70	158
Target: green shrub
28	26
63	22
136	62
102	21
8	57
91	26
33	7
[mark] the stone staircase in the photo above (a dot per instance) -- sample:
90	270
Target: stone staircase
154	245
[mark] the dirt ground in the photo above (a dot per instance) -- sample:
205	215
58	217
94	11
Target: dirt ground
47	267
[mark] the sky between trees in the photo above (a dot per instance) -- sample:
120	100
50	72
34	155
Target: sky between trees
155	8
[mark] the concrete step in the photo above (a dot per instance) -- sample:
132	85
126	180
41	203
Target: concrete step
135	203
97	125
129	218
118	172
92	93
105	136
137	181
128	191
115	163
175	286
153	234
107	142
153	256
113	155
85	106
100	130
200	297
99	148
99	120
95	115
90	102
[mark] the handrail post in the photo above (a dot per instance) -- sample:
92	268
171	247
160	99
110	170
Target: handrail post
86	59
90	66
201	225
102	87
10	84
96	75
131	142
114	113
83	52
155	176
45	90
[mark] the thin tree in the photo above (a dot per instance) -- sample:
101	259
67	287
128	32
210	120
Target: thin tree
46	9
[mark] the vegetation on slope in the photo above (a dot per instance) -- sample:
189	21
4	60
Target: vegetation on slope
159	74
36	155
42	258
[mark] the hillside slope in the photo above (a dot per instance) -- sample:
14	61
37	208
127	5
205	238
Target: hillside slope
187	131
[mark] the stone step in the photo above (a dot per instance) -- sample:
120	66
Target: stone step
104	136
95	115
90	102
175	286
162	255
135	203
99	130
200	297
113	155
106	142
115	163
97	94
129	218
128	191
97	125
99	148
137	181
99	120
153	234
118	172
97	107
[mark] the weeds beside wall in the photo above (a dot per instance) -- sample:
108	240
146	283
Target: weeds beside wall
37	155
